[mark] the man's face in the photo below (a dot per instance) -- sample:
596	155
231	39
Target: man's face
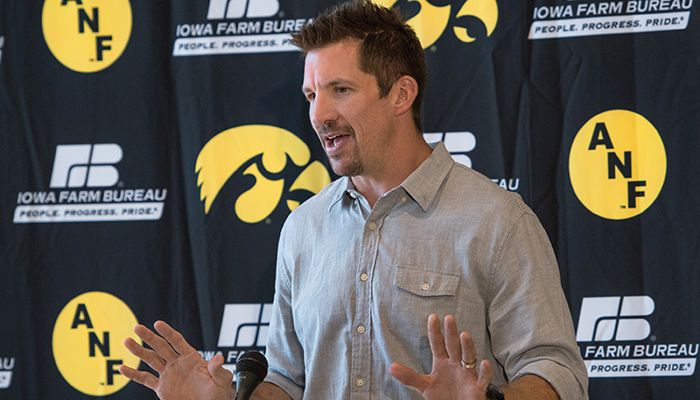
354	125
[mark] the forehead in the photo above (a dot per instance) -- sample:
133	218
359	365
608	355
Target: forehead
339	60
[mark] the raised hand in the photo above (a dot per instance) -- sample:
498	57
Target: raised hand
182	373
456	373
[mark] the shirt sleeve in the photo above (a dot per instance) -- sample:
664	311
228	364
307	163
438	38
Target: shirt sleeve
284	351
529	320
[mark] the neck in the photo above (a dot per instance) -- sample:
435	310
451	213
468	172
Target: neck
402	159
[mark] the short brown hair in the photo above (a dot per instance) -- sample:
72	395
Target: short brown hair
390	48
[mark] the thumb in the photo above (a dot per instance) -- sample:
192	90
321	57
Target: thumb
409	377
219	374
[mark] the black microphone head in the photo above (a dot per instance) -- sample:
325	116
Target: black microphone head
252	361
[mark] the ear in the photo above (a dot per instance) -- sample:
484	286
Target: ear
404	92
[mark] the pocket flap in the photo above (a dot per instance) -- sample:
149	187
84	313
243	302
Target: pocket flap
425	283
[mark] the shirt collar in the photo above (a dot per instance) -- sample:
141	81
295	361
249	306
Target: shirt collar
422	184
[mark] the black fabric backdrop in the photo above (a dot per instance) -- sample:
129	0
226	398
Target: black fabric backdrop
512	100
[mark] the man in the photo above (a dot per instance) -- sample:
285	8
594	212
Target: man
404	234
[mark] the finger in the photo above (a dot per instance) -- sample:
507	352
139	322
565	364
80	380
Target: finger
409	377
221	375
437	341
452	339
173	337
150	357
157	343
467	345
485	374
142	377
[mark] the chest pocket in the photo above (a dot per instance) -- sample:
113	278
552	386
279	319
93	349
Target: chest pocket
425	283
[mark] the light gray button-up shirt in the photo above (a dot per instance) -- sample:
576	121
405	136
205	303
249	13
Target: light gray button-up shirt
355	286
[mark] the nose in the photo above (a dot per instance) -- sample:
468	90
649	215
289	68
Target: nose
322	111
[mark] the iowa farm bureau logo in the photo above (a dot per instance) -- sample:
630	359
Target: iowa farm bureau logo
617	340
459	145
7	364
86	35
82	184
263	153
567	18
235	27
87	343
431	21
617	164
243	327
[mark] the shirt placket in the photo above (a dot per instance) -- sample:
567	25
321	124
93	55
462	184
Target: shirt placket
361	368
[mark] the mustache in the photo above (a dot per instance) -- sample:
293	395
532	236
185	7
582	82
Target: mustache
334	128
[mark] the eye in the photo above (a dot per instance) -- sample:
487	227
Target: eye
342	90
310	96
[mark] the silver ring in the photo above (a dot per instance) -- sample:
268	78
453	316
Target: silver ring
468	364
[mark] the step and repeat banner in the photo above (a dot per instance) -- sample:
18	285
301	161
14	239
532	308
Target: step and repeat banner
150	152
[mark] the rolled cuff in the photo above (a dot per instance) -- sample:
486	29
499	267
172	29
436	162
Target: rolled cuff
294	391
567	384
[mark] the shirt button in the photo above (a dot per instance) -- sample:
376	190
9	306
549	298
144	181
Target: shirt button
361	329
364	277
372	226
404	199
359	382
425	286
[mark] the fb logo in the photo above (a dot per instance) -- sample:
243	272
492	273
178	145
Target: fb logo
457	143
78	165
220	9
245	325
5	379
605	318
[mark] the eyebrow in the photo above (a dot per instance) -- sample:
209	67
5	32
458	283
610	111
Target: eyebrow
334	82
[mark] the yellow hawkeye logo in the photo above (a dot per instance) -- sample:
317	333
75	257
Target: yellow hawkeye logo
233	148
431	21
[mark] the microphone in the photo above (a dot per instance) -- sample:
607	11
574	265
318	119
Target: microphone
251	369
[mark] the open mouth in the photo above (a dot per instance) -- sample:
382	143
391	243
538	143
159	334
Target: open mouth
335	142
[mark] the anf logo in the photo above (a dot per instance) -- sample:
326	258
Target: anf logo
231	9
87	343
606	318
617	164
264	151
245	325
431	21
79	165
86	35
457	143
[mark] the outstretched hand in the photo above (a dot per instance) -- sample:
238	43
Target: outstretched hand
456	372
182	373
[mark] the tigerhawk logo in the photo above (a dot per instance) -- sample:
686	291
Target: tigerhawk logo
257	146
431	21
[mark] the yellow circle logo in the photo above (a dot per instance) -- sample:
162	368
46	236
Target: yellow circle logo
87	343
617	164
274	147
432	21
86	35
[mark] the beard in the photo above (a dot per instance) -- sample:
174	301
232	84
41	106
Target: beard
347	167
348	164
